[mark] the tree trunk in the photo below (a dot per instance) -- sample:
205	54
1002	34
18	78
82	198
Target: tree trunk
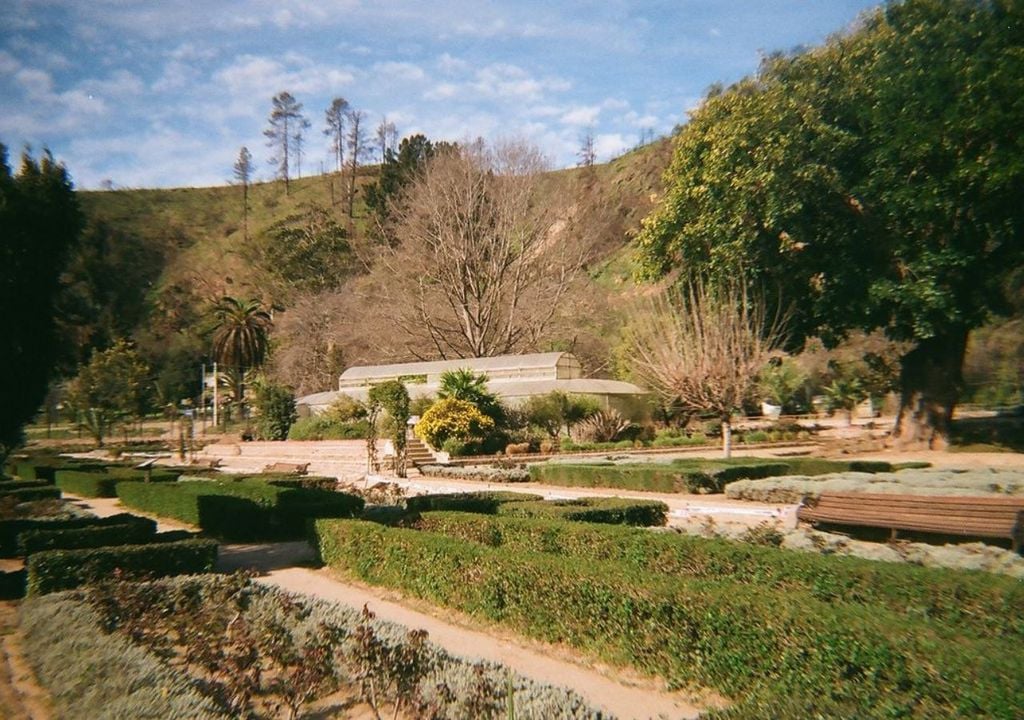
931	379
726	438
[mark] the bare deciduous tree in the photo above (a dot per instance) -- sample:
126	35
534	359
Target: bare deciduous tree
480	264
387	138
703	346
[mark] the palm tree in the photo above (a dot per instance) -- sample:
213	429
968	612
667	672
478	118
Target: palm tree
240	337
464	384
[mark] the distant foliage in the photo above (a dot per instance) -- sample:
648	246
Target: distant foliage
274	407
113	387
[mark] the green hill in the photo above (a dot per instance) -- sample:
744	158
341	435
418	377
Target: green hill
156	259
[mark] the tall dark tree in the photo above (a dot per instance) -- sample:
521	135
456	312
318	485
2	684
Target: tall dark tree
285	117
334	128
243	174
356	141
876	181
398	170
40	222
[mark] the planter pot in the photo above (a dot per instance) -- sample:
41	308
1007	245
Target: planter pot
772	412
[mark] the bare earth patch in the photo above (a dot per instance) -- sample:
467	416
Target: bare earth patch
21	697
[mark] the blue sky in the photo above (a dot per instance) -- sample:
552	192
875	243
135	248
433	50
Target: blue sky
163	94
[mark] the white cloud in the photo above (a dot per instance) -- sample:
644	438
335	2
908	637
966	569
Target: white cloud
448	64
37	84
400	71
441	91
581	115
609	145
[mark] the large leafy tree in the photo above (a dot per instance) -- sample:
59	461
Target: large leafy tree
241	337
875	181
114	386
40	222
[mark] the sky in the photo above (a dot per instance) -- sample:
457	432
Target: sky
164	94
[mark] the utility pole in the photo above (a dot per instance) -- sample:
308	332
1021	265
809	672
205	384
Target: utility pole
215	384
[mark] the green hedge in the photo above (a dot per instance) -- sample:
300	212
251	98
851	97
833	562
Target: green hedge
614	511
11	529
242	510
778	653
25	494
981	603
54	570
21	484
46	467
92	483
477	502
136	532
688	477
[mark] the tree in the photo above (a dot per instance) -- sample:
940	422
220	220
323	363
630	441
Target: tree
240	338
703	347
396	173
298	140
112	387
285	118
275	409
477	265
40	222
334	128
587	155
356	142
243	174
387	138
875	181
393	398
557	410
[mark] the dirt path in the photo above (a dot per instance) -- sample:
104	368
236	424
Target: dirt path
21	697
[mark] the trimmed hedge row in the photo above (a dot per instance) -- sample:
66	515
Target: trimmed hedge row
241	510
53	570
11	530
474	502
779	654
613	511
980	603
90	483
620	511
46	467
20	484
692	475
26	494
136	532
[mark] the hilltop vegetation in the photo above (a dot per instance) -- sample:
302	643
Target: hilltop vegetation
155	261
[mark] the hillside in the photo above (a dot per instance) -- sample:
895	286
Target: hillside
193	249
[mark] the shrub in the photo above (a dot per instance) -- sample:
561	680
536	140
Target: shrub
483	473
321	427
452	418
90	673
602	426
481	502
689	476
241	510
10	529
975	602
21	484
27	494
275	410
92	483
136	532
774	651
613	511
53	570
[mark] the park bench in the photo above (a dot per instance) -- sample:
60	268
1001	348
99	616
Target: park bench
283	468
968	516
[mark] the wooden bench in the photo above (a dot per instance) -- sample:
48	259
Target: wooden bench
969	516
283	468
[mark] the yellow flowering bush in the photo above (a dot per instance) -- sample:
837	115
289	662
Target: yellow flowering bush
451	418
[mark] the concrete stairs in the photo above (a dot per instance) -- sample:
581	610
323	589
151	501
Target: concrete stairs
417	453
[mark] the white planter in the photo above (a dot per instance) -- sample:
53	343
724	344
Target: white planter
772	412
